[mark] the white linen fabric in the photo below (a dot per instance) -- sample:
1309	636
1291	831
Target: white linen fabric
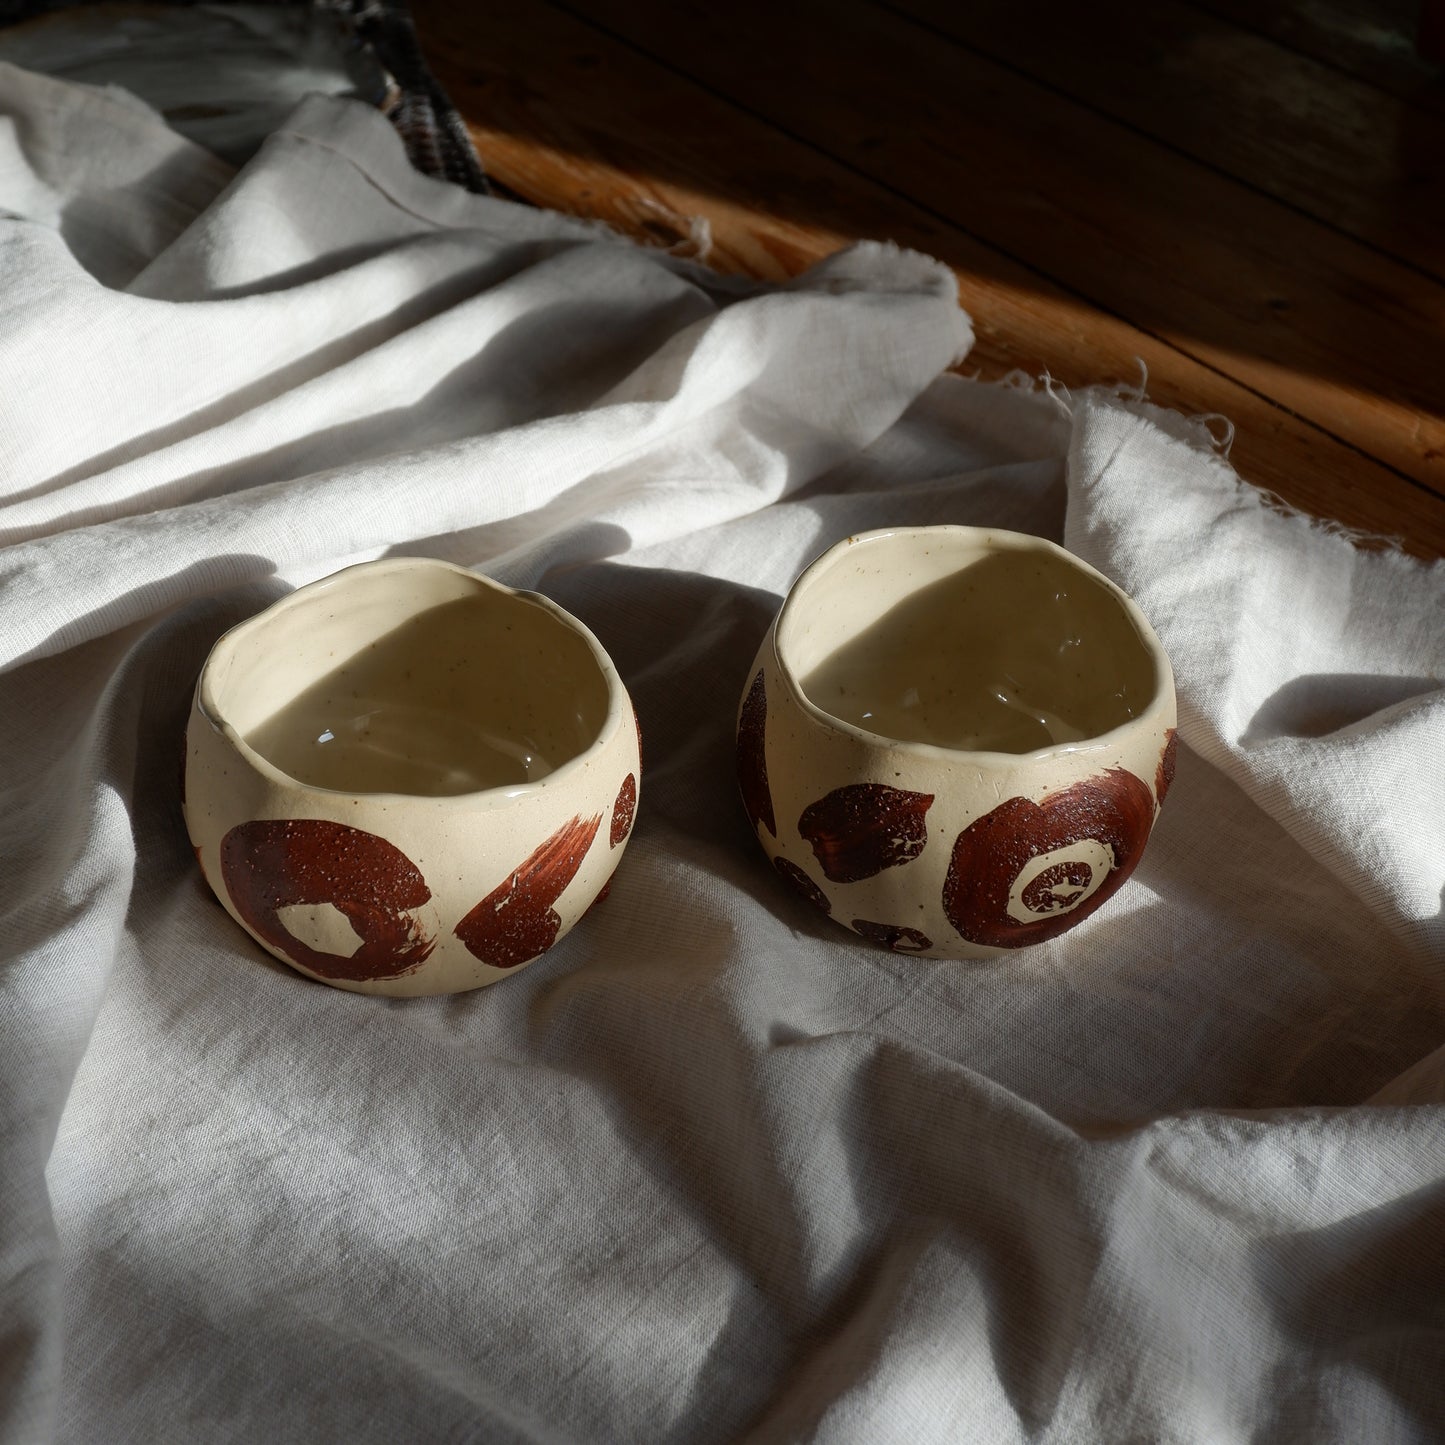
712	1169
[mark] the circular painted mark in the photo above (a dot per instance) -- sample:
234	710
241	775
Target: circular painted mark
274	864
516	921
1058	886
859	830
752	758
892	935
1060	880
1164	776
623	810
805	885
1017	874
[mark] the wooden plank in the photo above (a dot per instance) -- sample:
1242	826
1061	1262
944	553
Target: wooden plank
570	119
1337	333
1337	148
1373	40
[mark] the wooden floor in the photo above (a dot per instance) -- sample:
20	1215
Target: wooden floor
1247	197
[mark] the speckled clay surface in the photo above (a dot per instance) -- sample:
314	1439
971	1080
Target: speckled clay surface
956	741
408	779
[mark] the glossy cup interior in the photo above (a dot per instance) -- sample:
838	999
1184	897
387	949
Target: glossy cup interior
415	679
967	640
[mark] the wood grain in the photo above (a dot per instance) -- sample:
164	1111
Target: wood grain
1374	40
1339	149
1339	334
569	118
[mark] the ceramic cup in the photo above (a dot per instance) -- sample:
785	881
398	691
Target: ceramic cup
956	741
408	779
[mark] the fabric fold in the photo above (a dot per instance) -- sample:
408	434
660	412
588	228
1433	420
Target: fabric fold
713	1169
1309	669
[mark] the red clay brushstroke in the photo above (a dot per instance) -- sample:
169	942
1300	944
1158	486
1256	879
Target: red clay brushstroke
516	921
623	810
753	759
1164	777
272	864
805	885
1055	887
1115	809
859	830
892	935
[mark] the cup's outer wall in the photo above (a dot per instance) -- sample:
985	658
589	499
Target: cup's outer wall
807	762
465	848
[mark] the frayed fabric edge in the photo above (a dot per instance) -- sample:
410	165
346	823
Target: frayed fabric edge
1211	434
900	270
688	237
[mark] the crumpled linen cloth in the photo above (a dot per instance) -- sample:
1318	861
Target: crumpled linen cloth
713	1169
226	75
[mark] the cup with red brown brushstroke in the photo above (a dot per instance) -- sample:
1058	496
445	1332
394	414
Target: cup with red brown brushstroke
409	779
955	741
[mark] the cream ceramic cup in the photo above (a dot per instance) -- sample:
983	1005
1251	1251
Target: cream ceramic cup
408	779
955	741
